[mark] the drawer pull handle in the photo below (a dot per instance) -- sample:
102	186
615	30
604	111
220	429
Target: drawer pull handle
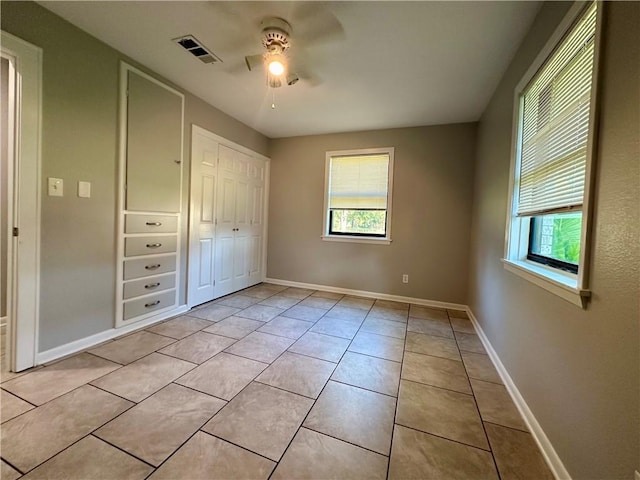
153	245
154	224
152	267
152	304
152	285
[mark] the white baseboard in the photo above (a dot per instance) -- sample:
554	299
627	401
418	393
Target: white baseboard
548	452
363	293
88	342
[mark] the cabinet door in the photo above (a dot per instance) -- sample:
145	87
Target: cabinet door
154	147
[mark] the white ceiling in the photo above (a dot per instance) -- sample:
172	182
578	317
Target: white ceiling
370	65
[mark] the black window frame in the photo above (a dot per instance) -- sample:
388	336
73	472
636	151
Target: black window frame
358	234
544	260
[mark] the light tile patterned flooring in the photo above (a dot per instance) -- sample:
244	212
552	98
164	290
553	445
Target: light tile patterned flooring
273	382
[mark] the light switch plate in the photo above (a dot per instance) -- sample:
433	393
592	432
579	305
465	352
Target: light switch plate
56	187
84	189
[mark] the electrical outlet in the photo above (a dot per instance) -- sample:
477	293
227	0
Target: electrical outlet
405	278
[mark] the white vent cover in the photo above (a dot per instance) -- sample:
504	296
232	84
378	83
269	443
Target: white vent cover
195	48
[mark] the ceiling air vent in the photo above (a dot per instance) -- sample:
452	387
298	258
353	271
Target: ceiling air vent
195	48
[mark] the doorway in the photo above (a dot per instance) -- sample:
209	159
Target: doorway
20	194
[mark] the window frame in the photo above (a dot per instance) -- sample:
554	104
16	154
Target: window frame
572	287
327	235
544	259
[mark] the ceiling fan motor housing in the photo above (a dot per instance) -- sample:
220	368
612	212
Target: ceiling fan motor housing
276	33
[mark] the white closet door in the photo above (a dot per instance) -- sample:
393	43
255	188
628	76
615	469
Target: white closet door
225	232
256	221
204	178
242	233
227	219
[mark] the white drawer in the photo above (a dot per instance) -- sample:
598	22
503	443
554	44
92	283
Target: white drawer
149	245
151	303
143	267
150	224
145	286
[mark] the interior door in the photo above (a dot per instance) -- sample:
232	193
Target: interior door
202	214
242	232
256	221
225	233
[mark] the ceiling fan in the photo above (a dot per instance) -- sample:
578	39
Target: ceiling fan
276	40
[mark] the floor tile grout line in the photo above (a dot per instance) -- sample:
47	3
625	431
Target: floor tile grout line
309	356
16	468
275	462
255	380
395	413
475	402
186	336
93	434
20	398
364	388
374	356
388	457
201	392
245	358
116	395
443	438
506	426
437	386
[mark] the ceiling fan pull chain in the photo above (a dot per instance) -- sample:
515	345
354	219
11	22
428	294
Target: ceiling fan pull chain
273	102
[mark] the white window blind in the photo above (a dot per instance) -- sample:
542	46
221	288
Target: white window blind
359	182
555	125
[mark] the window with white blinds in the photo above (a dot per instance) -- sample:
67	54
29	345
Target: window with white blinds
358	195
555	114
550	195
359	182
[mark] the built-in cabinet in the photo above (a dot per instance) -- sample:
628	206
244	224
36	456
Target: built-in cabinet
226	251
150	197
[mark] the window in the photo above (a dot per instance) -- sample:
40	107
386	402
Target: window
358	195
548	219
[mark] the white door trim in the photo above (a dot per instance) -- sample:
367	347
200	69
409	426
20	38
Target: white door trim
24	251
195	129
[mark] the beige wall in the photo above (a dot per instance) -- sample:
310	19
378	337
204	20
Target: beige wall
79	142
577	369
430	222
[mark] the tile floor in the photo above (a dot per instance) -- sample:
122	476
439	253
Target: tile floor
273	382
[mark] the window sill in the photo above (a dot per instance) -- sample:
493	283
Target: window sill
372	240
562	284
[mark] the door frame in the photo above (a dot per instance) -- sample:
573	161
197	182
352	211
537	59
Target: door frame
192	221
24	198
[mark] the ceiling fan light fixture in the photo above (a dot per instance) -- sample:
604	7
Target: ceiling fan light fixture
276	65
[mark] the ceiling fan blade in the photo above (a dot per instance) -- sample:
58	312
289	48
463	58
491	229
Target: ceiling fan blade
315	24
254	62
